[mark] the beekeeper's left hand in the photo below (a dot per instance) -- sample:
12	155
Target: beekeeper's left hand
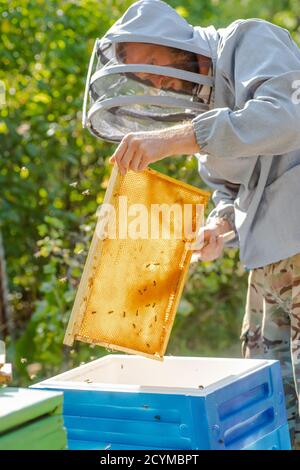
138	149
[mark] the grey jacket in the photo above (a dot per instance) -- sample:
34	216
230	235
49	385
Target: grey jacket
250	139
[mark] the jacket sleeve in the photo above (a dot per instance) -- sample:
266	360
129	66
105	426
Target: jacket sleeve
265	74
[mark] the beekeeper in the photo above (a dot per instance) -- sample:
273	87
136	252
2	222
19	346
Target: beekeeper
232	97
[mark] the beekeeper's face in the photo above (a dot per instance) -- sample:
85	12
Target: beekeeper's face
139	53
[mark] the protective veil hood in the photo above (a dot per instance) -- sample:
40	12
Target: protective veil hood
153	21
119	101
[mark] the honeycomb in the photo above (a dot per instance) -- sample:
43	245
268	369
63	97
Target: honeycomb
131	287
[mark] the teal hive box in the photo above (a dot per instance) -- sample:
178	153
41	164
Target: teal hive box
31	420
130	402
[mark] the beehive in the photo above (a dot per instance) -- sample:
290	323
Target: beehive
128	402
130	287
31	420
5	368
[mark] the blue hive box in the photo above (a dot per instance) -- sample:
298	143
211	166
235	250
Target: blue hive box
130	402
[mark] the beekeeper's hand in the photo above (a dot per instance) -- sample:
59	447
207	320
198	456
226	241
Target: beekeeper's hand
138	149
211	246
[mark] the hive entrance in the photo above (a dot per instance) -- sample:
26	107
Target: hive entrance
130	288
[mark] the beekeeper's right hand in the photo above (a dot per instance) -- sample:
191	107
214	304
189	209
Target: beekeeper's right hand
211	246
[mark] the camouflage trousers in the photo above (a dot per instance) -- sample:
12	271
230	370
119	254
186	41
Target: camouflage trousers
271	327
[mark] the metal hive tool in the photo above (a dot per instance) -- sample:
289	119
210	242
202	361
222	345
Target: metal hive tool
130	288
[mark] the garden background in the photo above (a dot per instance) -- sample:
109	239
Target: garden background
53	175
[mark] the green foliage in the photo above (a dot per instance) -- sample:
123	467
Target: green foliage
53	175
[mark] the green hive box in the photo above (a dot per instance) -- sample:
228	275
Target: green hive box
31	420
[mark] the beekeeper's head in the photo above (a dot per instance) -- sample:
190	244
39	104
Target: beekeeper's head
154	70
154	54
